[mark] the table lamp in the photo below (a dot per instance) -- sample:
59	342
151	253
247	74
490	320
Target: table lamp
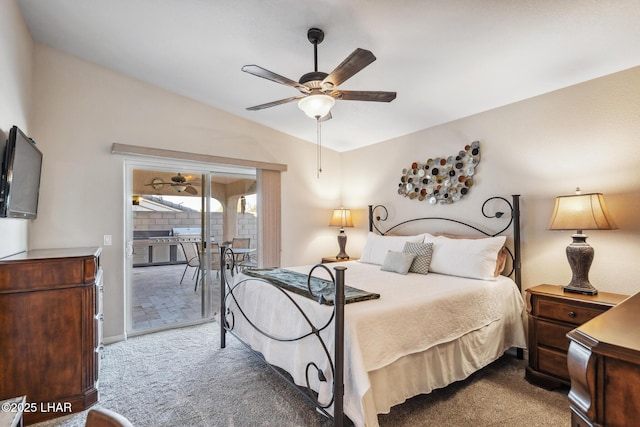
580	212
341	218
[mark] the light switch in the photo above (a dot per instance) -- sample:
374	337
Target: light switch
107	239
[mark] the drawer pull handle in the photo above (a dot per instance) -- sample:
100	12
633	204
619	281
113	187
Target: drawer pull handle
572	314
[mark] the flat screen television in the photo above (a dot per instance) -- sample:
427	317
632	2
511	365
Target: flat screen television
20	179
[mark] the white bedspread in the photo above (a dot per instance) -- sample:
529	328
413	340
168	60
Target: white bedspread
414	313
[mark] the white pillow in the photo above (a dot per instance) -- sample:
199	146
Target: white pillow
397	262
474	258
376	248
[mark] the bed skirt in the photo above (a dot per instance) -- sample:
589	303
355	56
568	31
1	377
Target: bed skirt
435	368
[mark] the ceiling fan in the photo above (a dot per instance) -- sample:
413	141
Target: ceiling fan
178	182
319	89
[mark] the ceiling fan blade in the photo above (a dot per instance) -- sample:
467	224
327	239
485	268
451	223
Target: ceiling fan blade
191	190
274	103
355	62
363	95
157	183
270	75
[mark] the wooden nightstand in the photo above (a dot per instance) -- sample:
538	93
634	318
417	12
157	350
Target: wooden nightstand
328	259
552	314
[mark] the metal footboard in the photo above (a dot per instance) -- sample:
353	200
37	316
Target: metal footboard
228	315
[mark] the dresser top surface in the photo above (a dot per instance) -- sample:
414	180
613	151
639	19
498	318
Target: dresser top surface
557	291
617	328
52	254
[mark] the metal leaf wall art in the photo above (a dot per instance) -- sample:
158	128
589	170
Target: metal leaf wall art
441	180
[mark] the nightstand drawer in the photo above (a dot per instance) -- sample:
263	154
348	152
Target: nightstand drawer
565	312
554	335
553	362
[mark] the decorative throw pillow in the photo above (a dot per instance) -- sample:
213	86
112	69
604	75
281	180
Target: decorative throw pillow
397	262
474	258
423	253
376	248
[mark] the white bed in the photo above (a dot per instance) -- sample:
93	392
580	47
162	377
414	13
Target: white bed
451	315
423	333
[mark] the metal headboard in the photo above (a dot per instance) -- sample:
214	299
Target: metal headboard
379	213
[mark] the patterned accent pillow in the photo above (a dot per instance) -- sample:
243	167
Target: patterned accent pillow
423	253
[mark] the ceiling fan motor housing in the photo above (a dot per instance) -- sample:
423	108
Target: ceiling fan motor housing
310	79
178	179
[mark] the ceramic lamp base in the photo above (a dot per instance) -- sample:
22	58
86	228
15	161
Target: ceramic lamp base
342	243
580	257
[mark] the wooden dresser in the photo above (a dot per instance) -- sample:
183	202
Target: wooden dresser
51	330
604	364
552	314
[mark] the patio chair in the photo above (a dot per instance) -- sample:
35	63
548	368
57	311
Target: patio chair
241	243
215	259
192	255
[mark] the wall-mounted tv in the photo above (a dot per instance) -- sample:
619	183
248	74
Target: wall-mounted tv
20	179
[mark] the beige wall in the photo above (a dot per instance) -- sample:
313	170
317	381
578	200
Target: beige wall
83	108
16	53
586	135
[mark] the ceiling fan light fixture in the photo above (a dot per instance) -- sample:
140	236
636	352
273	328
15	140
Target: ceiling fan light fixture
316	106
179	188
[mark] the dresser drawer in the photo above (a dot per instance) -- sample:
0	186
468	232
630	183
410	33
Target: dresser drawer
554	363
552	334
565	311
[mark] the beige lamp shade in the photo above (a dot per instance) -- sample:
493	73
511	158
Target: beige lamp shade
581	212
341	218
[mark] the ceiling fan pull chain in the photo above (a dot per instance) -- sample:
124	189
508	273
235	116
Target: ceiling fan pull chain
319	146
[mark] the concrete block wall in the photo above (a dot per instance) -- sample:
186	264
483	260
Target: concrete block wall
146	221
248	227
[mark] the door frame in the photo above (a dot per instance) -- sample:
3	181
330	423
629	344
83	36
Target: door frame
207	170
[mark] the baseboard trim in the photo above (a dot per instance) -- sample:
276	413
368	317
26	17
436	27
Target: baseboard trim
114	338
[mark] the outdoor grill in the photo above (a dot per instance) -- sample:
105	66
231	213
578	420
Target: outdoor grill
162	247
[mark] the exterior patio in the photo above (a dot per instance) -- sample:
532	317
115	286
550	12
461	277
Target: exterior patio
160	301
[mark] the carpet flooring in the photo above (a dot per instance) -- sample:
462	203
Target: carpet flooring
182	377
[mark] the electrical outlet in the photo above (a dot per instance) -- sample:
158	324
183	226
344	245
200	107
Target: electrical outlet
107	239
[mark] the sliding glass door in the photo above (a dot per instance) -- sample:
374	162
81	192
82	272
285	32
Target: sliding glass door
176	222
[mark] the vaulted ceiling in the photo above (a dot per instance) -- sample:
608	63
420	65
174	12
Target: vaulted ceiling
446	59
